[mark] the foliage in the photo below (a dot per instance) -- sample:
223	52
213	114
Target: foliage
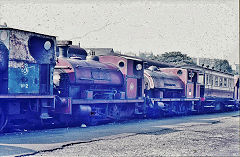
222	65
176	58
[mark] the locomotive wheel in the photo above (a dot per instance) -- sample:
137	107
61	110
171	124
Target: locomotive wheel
114	112
174	110
183	109
218	107
3	119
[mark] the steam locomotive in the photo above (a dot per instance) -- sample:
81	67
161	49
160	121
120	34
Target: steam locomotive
44	80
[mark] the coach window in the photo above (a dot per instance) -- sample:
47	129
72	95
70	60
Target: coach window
201	80
229	83
207	79
216	81
220	81
225	82
210	79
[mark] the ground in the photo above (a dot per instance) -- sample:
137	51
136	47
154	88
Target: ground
219	137
198	135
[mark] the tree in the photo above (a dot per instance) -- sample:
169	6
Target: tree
176	58
222	65
146	55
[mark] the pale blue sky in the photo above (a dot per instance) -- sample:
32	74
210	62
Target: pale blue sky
200	28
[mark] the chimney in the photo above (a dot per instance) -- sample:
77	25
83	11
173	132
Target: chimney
63	46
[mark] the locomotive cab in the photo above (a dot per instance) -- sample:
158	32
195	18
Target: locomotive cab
190	78
27	62
193	86
132	70
26	70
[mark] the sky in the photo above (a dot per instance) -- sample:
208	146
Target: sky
198	28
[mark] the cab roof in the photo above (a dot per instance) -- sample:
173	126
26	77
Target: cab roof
8	28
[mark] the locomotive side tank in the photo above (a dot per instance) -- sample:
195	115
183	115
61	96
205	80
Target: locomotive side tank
90	72
81	74
74	77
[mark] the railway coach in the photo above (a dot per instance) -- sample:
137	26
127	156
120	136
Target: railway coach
216	89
